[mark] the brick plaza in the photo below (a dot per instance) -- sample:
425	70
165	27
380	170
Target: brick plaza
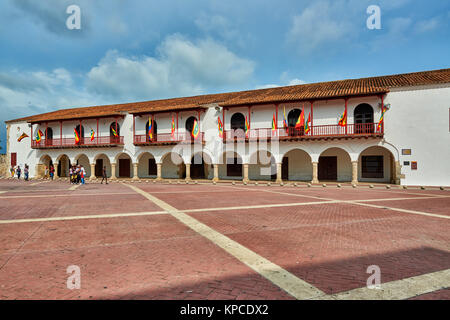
202	240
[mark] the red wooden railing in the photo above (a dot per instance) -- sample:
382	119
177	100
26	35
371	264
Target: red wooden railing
167	138
70	142
316	131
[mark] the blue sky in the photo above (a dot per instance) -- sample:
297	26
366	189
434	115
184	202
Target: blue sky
142	50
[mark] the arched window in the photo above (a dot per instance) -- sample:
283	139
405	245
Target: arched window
154	129
114	138
237	124
292	120
80	133
190	126
363	116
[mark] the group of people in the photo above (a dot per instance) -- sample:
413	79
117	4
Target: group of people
77	173
17	171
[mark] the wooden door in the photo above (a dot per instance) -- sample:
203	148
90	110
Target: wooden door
98	167
328	168
124	168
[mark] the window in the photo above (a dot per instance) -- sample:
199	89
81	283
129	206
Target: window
372	167
363	115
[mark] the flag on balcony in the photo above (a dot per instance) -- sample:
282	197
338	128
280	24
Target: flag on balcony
300	121
77	137
195	129
308	124
39	135
274	125
380	123
150	131
247	127
285	123
219	122
343	120
173	127
114	132
92	134
22	136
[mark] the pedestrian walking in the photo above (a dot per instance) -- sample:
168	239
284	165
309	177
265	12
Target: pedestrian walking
104	177
26	171
83	174
18	172
52	171
12	171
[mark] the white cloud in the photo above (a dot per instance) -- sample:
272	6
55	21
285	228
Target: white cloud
181	67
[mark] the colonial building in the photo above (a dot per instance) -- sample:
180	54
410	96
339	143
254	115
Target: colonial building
389	129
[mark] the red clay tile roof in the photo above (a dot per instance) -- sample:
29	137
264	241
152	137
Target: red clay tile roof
321	90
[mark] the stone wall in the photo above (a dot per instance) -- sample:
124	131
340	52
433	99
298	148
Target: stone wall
4	168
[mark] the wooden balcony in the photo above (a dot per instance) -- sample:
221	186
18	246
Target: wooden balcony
324	132
168	139
84	143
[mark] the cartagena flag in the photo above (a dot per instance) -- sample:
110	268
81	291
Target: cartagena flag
308	124
300	121
39	135
247	127
150	131
195	130
220	126
92	134
173	127
114	131
380	123
22	136
343	120
274	124
285	124
77	137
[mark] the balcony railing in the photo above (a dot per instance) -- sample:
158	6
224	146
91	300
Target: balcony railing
70	142
167	138
352	130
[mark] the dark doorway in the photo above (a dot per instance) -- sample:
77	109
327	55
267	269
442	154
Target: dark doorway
98	167
285	169
292	120
363	115
155	131
198	167
372	167
237	124
124	168
328	168
234	167
152	169
80	133
189	127
114	139
49	137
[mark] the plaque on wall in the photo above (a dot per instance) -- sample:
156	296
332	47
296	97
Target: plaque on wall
414	165
406	152
406	163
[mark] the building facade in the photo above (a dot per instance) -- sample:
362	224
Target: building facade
392	129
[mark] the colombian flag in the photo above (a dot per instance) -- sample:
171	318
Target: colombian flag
195	129
39	135
300	121
150	131
380	123
22	136
343	120
274	125
220	127
308	124
92	134
77	137
247	127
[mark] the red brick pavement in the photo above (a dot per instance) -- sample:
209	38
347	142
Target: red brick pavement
437	205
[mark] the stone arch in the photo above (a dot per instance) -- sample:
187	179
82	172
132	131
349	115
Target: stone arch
83	160
124	165
377	164
296	165
102	160
172	166
335	165
63	165
262	166
146	165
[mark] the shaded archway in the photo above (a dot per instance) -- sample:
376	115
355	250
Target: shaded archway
201	166
296	166
154	130
377	164
44	162
363	117
63	165
124	166
83	160
231	166
102	160
262	166
173	166
147	165
335	165
237	124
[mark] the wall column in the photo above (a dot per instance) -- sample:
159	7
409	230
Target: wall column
354	172
315	173
188	171
158	171
216	172
279	180
398	172
113	171
55	165
245	165
135	171
93	177
37	173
